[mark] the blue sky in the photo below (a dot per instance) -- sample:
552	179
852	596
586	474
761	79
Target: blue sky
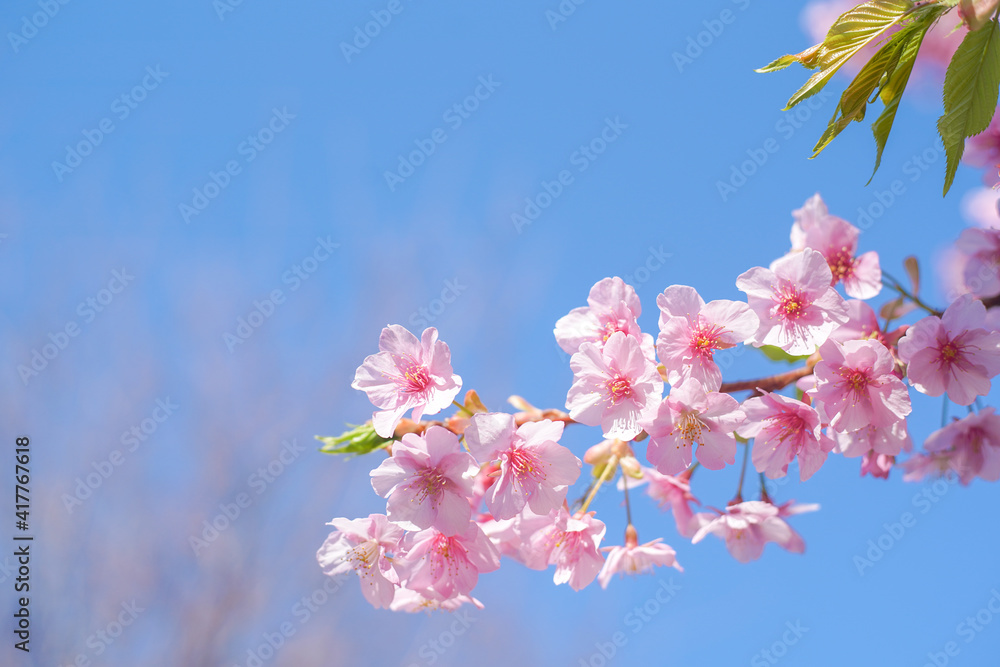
281	138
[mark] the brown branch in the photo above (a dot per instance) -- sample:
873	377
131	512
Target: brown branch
775	382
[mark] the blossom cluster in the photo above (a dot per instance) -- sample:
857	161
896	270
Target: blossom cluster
480	486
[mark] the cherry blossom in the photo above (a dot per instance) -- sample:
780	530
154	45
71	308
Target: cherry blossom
534	469
361	545
748	526
668	491
407	374
969	447
856	387
427	481
615	387
784	429
797	307
690	417
837	240
691	331
877	465
953	354
981	266
612	306
571	543
881	440
635	558
440	566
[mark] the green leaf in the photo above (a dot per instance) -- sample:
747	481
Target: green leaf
775	353
892	91
855	99
357	440
854	30
970	93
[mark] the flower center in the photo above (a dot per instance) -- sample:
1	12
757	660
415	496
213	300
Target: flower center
787	425
854	381
705	340
414	378
611	327
428	483
363	557
949	351
841	264
524	465
792	304
619	388
690	427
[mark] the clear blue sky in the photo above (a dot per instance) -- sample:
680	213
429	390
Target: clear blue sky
250	140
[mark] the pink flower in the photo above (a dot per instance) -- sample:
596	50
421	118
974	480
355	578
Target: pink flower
511	537
615	387
797	307
877	465
690	417
612	306
427	481
970	447
747	527
784	429
691	331
880	440
837	240
571	544
953	354
412	601
634	558
983	151
441	567
856	387
981	272
862	324
407	373
361	545
668	491
535	471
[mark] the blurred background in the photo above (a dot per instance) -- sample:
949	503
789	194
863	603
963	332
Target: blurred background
208	211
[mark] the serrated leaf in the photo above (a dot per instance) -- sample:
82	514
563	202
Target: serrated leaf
785	61
970	93
775	353
356	440
852	31
854	101
892	91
